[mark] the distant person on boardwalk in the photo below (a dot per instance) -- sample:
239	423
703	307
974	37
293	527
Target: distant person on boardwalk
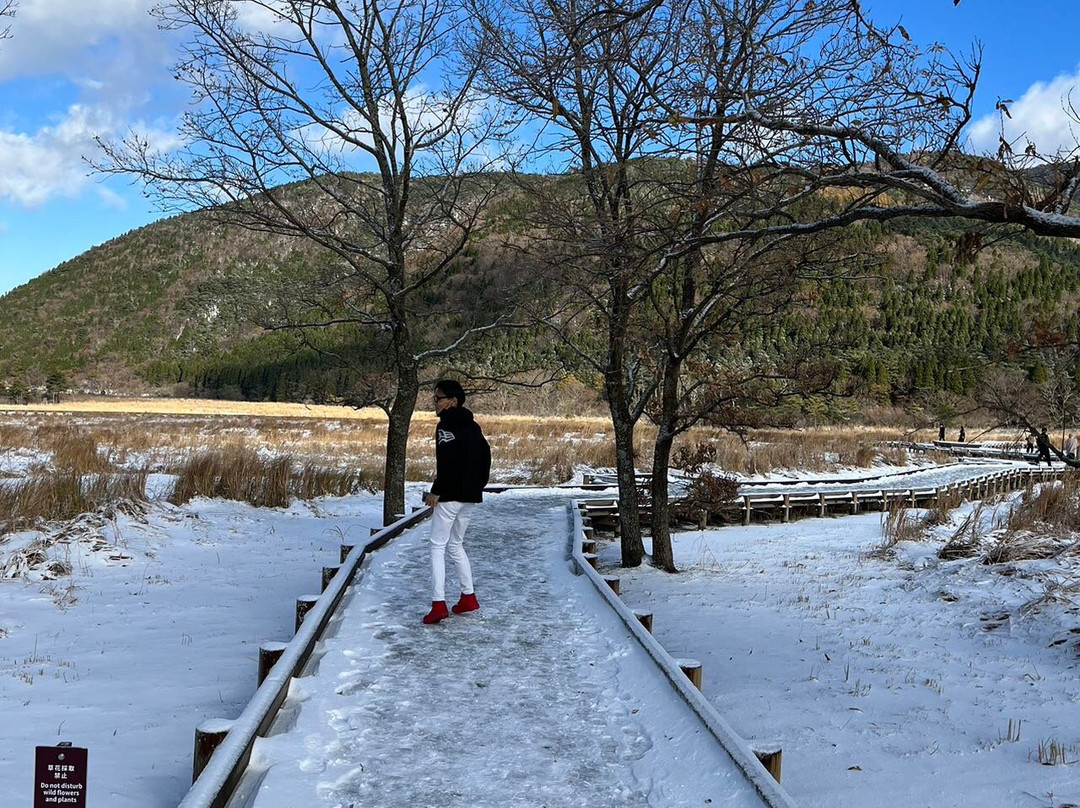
1042	443
462	466
941	432
963	435
1029	445
1070	447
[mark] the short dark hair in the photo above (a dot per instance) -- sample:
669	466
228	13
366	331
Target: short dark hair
453	389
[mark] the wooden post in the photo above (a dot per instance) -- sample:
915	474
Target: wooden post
613	582
304	604
645	618
937	497
588	546
692	669
821	505
588	531
746	507
854	503
911	497
208	737
591	559
328	574
345	550
770	756
269	654
787	508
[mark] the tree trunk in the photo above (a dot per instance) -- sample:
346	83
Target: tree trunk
629	518
397	442
618	396
662	555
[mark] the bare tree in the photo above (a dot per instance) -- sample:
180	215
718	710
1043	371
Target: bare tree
7	9
1015	400
710	308
586	73
363	102
798	117
1062	395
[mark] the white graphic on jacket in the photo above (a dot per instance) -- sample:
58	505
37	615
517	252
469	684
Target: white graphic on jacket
444	436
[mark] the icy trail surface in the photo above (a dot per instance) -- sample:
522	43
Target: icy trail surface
901	480
539	699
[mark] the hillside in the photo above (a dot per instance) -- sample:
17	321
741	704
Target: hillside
148	311
108	317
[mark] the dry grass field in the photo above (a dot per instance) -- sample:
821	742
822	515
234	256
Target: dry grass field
268	453
160	432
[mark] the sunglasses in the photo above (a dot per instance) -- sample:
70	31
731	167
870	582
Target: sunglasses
437	399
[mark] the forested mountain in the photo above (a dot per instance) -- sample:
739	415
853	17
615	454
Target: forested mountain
923	319
156	310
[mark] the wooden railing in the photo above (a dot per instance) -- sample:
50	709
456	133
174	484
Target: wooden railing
758	761
782	506
225	747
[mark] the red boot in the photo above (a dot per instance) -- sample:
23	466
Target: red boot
466	604
438	612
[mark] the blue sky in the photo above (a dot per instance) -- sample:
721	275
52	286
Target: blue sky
75	68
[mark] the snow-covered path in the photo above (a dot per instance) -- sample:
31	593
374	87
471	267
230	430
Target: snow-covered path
900	480
540	699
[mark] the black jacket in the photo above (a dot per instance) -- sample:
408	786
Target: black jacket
462	457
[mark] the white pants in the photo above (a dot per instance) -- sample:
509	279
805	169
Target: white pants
449	522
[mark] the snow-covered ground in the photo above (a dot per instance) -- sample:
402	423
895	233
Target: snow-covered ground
153	632
889	682
539	699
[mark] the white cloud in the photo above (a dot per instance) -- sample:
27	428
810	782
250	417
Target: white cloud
428	114
76	37
261	16
48	163
84	69
1039	115
51	162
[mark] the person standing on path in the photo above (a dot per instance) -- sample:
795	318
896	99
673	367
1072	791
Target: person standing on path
462	466
1070	447
1042	443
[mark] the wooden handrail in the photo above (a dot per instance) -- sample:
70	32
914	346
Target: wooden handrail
220	777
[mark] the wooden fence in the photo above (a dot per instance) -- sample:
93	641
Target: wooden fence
783	507
223	748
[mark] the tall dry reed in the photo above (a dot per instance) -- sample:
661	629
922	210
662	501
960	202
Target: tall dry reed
242	474
64	494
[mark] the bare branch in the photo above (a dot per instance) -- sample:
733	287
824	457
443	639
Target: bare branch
7	10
